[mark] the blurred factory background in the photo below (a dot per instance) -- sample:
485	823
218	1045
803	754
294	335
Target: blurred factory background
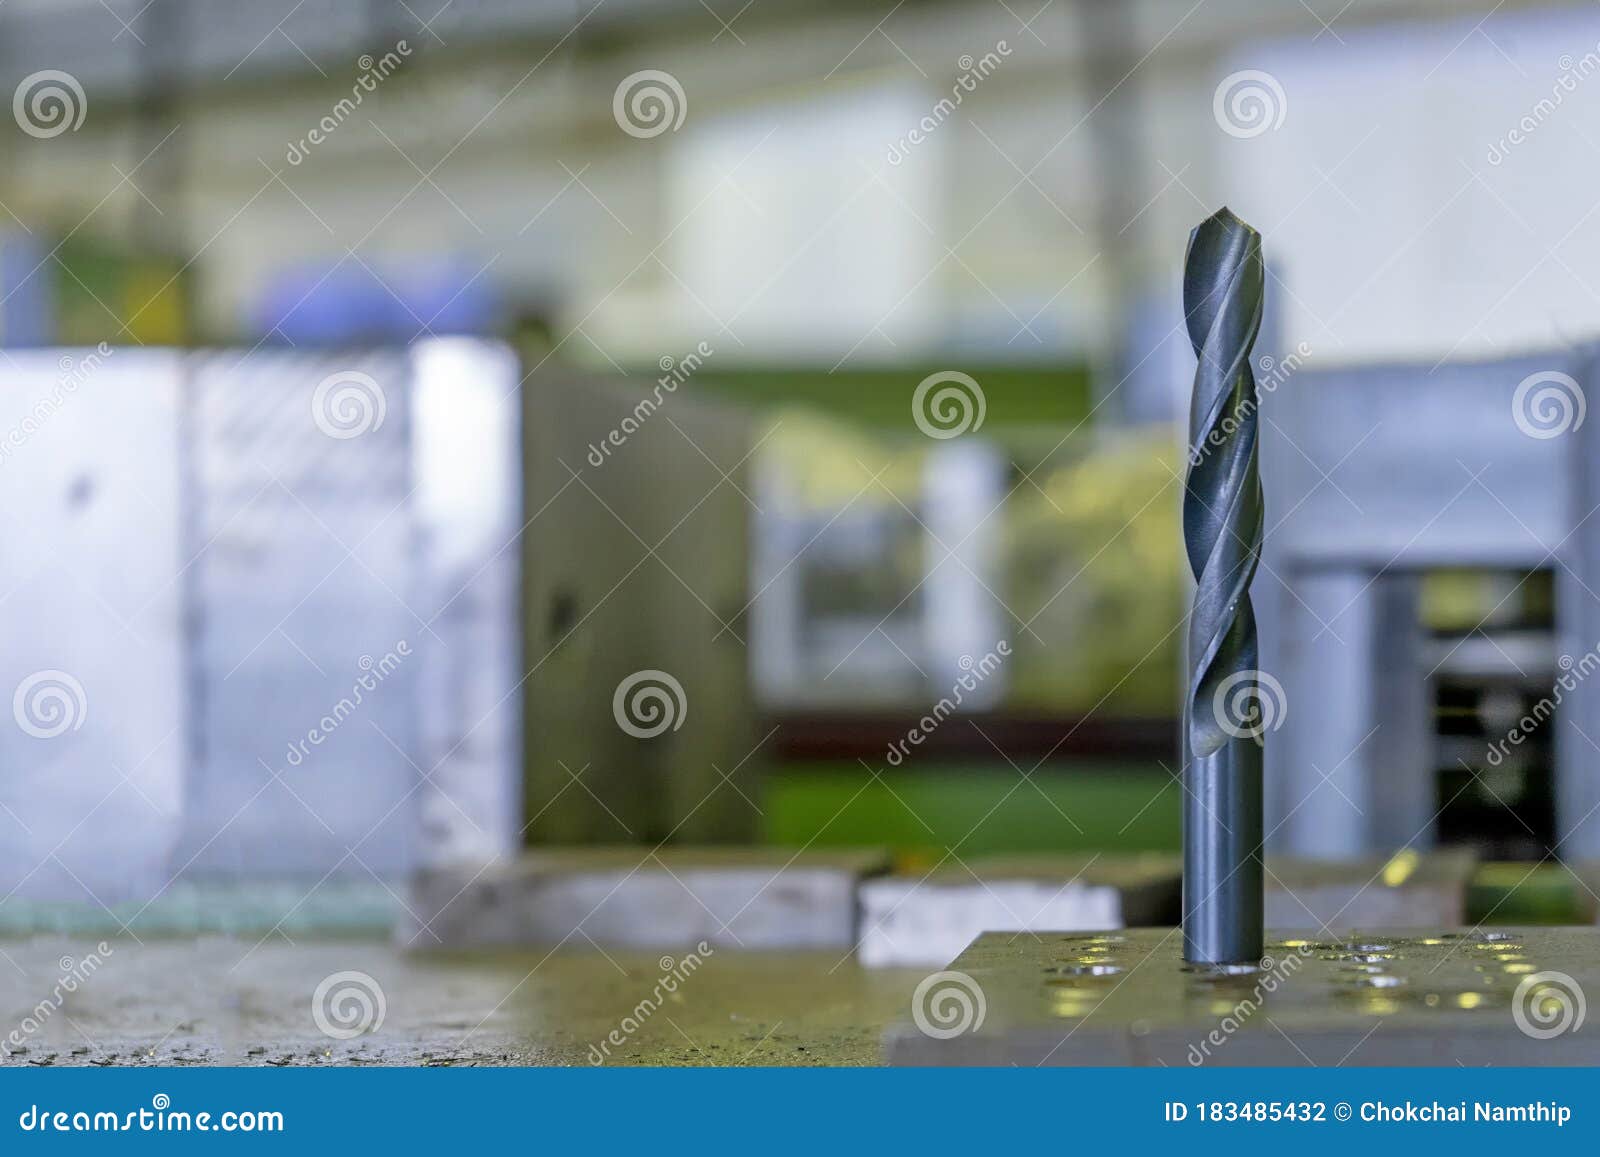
792	365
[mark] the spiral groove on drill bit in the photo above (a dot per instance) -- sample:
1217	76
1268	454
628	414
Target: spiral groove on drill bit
1222	498
1222	521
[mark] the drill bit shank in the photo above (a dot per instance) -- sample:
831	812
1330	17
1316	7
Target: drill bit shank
1222	809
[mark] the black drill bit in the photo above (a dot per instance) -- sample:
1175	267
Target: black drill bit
1222	897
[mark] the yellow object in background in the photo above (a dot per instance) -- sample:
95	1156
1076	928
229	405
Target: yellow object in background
1093	565
108	293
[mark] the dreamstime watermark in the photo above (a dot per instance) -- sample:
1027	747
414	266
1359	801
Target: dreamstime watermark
49	703
948	404
348	404
1274	372
649	702
74	973
373	73
648	103
74	373
373	673
160	1117
974	672
1248	704
1248	103
1573	73
1272	975
347	1004
673	375
674	973
972	73
1548	1004
1548	404
948	1004
48	103
1574	671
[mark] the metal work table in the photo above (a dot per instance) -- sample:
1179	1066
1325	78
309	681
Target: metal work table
1366	998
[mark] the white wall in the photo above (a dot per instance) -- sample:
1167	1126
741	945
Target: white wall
1402	223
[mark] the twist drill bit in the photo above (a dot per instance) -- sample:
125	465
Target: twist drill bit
1222	896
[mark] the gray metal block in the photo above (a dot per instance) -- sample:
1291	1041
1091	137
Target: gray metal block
92	735
1397	434
651	513
1408	890
465	441
911	920
1511	996
631	897
1369	466
302	551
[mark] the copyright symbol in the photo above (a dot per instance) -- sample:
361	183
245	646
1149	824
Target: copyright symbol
1342	1111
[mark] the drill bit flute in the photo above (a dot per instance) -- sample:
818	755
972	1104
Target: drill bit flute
1222	871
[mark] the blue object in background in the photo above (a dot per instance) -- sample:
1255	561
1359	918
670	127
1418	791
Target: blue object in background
355	304
27	291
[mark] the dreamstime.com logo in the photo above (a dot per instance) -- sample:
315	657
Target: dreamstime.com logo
348	404
948	1004
347	1004
74	974
673	374
973	72
49	703
1548	404
973	672
674	974
1548	1004
1573	73
1248	704
1573	672
373	73
48	103
1270	975
160	1117
373	673
75	372
948	404
648	703
1248	103
1273	373
648	103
